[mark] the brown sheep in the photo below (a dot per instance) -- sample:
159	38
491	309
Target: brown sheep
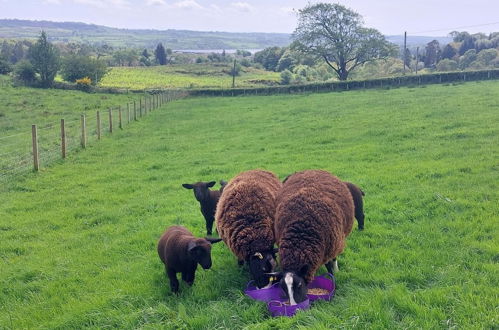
181	252
245	221
314	214
207	199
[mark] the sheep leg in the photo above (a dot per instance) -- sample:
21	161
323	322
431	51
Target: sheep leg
332	265
188	277
360	219
209	225
172	275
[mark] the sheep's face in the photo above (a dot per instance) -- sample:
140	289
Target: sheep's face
260	264
200	251
294	286
201	191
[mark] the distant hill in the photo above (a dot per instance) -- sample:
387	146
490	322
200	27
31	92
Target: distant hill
413	41
174	39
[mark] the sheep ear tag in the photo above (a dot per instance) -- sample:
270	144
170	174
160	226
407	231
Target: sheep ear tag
258	255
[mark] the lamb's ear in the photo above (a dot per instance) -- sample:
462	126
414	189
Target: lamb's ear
187	186
213	240
303	271
223	183
191	245
211	183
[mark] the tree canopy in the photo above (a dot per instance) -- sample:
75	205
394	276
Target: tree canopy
160	54
45	59
336	34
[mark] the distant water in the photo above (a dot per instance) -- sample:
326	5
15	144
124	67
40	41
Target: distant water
209	51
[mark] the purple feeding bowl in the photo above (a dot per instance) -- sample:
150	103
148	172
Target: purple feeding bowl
279	308
276	298
325	283
273	292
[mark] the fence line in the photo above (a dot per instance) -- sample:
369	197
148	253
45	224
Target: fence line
54	141
409	80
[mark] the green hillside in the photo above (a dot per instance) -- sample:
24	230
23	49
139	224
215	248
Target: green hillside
78	240
173	39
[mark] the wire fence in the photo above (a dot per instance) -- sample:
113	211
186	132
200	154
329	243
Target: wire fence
28	151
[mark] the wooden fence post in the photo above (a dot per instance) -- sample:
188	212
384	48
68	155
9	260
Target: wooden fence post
140	107
34	137
83	132
110	120
134	111
98	125
128	113
119	118
63	139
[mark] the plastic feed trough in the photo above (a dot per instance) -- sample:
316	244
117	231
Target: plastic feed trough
276	298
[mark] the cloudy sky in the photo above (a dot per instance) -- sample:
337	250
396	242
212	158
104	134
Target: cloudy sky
423	17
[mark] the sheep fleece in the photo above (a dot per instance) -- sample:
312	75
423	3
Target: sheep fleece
314	214
245	213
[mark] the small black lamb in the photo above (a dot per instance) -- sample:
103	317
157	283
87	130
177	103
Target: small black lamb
207	199
357	194
181	252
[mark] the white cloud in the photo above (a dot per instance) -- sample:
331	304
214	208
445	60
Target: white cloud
155	2
242	6
105	3
288	10
187	4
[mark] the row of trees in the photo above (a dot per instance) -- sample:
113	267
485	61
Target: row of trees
475	51
42	61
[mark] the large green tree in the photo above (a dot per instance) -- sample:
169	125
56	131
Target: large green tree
336	34
160	54
45	59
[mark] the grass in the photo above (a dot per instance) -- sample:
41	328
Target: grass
78	240
187	76
20	107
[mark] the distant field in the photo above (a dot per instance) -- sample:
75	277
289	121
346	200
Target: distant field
186	76
78	240
130	38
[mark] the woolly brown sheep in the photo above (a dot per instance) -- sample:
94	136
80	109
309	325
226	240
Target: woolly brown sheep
181	252
207	199
358	202
314	214
245	221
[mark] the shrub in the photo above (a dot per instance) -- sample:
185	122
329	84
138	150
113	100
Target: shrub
25	72
286	77
77	67
84	84
447	65
5	66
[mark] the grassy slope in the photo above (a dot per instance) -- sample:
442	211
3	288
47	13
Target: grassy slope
185	76
21	107
77	241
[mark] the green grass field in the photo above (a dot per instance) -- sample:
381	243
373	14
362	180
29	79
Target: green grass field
20	107
186	76
78	240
